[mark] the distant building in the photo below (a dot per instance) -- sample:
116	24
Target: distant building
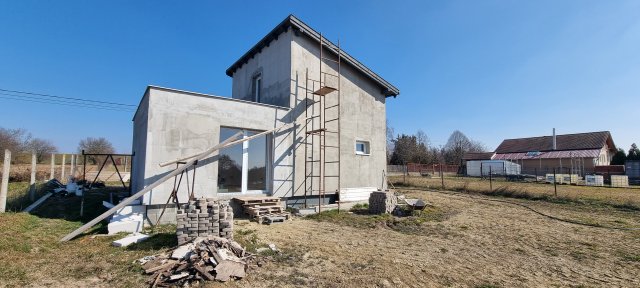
476	156
569	153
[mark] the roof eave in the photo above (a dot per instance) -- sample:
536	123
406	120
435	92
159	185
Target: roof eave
387	88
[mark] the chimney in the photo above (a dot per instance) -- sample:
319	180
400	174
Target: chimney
554	139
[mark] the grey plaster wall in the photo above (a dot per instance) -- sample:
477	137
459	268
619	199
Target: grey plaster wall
274	65
362	117
140	129
184	123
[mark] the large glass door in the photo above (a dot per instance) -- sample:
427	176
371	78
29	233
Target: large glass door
242	168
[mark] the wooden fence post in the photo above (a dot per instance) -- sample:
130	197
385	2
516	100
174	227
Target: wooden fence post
62	170
5	180
72	169
32	183
53	166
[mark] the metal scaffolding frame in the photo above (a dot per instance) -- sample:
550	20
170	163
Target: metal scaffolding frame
316	137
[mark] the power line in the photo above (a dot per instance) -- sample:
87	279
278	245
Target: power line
45	101
70	102
69	98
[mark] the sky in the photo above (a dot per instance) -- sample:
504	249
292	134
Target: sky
491	69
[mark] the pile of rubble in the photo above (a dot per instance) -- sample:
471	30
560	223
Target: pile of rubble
386	202
205	258
381	202
204	217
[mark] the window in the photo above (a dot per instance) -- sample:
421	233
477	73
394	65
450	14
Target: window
362	147
256	87
242	168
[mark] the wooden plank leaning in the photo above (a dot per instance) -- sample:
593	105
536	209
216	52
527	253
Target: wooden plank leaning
225	146
133	197
229	141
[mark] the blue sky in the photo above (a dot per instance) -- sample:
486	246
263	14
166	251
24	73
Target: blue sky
492	69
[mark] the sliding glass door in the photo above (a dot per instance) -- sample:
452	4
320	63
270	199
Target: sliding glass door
242	168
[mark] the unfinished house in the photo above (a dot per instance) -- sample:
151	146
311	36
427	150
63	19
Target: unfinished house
329	106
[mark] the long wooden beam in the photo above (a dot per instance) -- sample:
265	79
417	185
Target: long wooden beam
133	197
230	144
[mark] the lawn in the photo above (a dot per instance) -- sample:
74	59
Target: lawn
628	198
32	253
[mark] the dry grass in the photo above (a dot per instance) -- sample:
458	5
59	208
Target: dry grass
626	198
462	241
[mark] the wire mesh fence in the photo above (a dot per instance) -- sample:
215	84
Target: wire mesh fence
607	187
28	174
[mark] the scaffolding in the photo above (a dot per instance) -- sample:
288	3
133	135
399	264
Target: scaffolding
322	100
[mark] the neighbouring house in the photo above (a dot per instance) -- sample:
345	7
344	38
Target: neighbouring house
292	75
570	153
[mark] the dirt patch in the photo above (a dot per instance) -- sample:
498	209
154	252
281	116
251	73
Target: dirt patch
481	244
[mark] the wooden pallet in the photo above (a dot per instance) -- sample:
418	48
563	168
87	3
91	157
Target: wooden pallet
263	218
263	210
256	200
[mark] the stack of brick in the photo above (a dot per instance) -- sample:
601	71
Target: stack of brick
381	202
226	220
198	218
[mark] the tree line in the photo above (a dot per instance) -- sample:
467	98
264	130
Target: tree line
21	141
620	157
417	148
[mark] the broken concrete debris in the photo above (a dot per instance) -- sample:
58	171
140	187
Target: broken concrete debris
386	202
131	239
204	258
381	202
204	217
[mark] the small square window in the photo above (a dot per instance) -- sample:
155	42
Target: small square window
362	147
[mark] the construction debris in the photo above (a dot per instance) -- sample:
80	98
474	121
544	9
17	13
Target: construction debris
131	239
204	258
204	217
381	202
264	209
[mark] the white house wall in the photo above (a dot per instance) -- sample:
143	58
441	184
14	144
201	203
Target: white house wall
183	123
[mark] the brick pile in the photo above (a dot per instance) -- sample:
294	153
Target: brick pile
226	220
204	217
381	202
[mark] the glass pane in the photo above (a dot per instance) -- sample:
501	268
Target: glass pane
229	164
257	153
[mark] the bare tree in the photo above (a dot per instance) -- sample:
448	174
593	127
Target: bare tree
423	138
41	147
14	139
95	146
390	139
458	145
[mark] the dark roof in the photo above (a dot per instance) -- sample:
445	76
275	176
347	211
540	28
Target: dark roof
301	27
580	141
477	156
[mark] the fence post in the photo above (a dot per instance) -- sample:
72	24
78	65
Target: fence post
62	169
555	183
53	166
490	179
5	180
72	166
536	171
404	178
32	183
441	176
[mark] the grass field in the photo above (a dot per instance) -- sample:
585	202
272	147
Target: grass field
460	240
32	254
18	195
628	198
